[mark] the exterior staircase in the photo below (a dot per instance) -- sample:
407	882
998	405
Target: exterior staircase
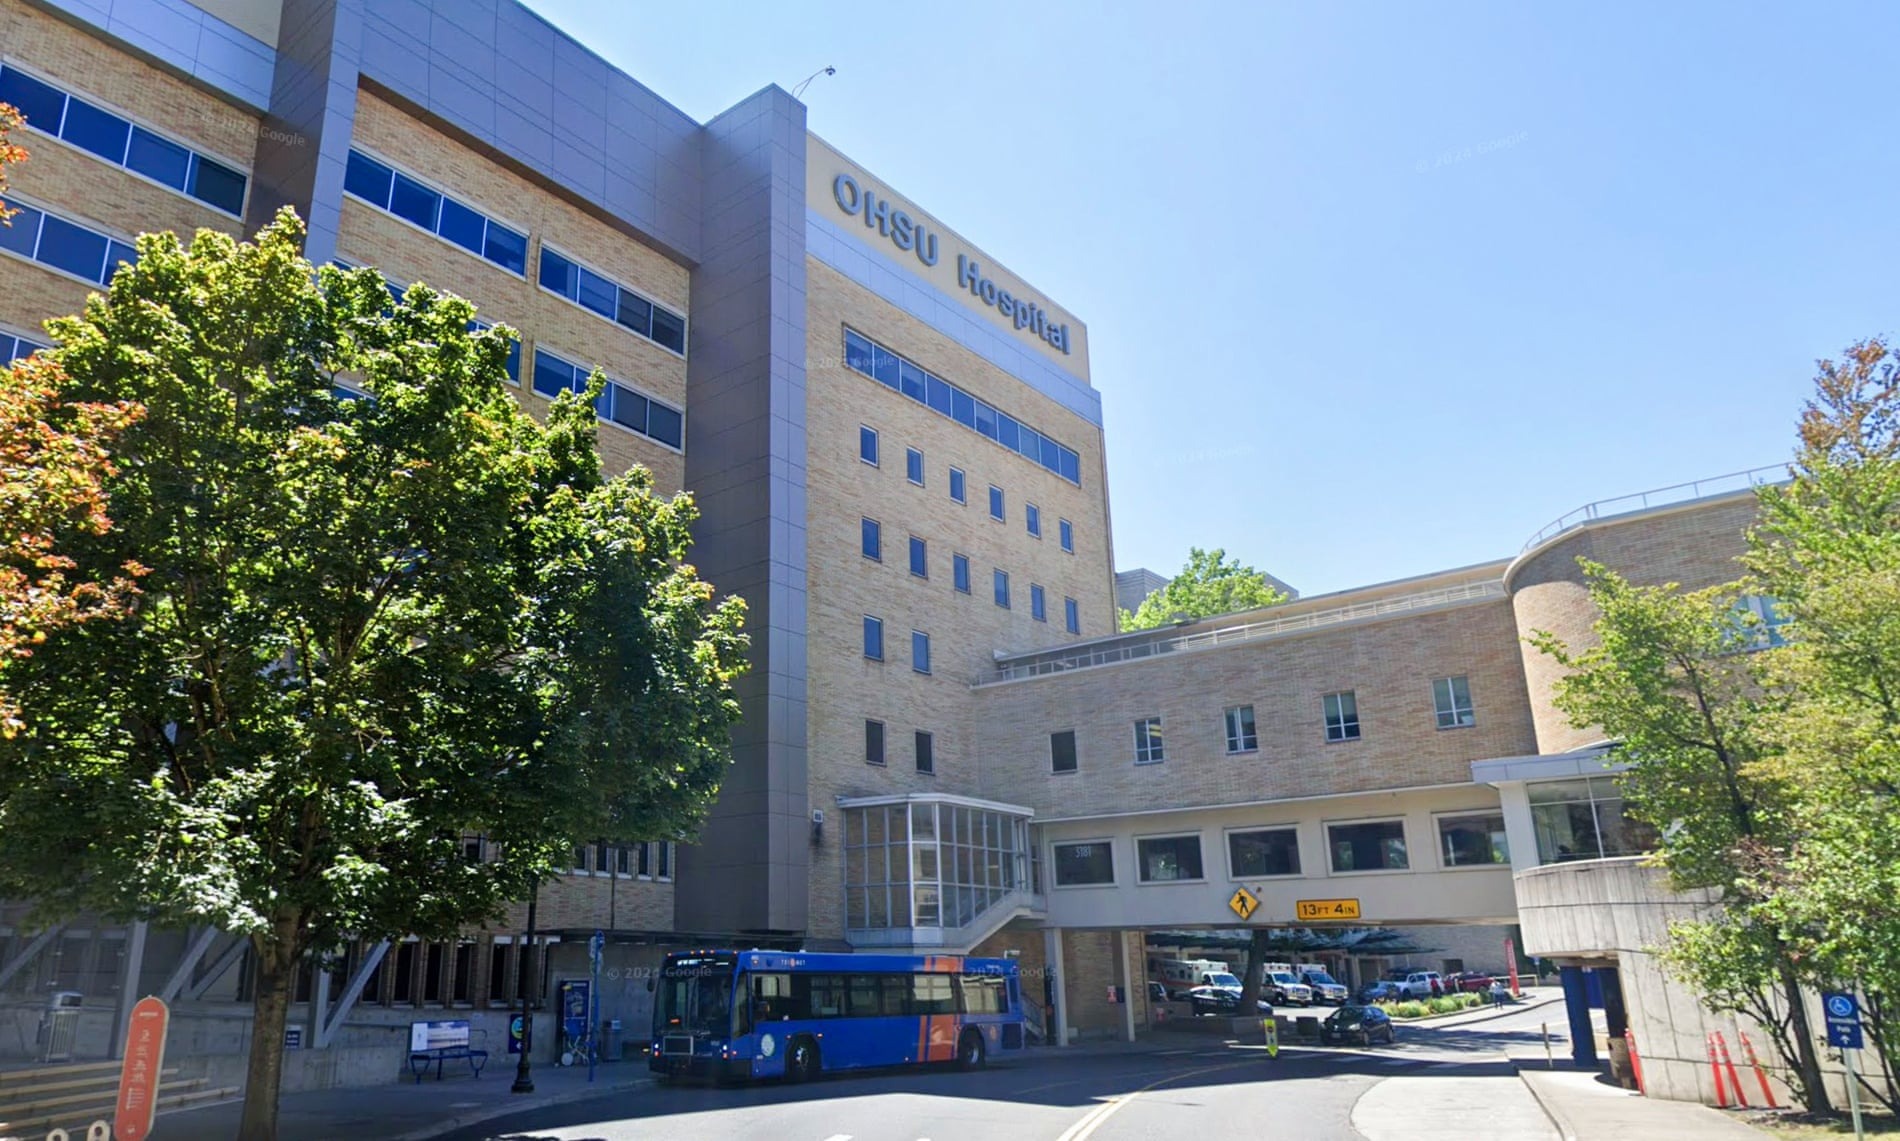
34	1101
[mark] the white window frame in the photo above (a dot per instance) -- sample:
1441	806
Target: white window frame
1326	725
1114	866
1405	834
1460	718
1237	744
1227	850
918	545
880	639
914	668
1143	740
877	445
1141	879
1438	838
955	474
922	469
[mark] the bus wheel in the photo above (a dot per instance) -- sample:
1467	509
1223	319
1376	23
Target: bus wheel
801	1065
972	1054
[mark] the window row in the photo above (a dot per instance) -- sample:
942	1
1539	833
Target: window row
14	348
863	355
871	545
1466	839
612	300
63	245
646	860
1340	712
869	448
396	193
617	403
797	996
923	747
123	143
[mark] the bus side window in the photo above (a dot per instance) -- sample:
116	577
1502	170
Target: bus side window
896	994
931	994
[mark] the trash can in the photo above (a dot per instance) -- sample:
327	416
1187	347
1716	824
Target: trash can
611	1039
59	1026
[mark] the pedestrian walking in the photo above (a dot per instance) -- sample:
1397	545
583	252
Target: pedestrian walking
1499	993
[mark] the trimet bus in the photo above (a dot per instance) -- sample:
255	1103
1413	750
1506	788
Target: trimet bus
795	1014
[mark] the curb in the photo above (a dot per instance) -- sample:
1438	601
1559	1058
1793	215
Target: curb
1565	1128
1466	1017
526	1104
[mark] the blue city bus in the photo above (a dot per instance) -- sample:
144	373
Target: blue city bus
797	1014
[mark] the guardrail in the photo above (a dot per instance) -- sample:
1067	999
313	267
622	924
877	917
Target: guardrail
1090	657
1660	497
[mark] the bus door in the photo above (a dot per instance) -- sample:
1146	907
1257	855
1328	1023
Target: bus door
765	1020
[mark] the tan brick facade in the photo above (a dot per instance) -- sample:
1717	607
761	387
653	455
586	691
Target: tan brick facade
407	254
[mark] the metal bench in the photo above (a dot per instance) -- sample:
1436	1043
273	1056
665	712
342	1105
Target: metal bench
440	1043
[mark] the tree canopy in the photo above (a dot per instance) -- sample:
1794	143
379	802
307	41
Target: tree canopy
1209	585
381	608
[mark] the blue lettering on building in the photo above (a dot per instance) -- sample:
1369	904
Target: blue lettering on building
912	236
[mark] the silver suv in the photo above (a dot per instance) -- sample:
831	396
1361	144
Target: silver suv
1422	984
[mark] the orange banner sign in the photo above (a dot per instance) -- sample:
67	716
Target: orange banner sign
138	1076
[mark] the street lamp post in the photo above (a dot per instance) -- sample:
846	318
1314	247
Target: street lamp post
524	1082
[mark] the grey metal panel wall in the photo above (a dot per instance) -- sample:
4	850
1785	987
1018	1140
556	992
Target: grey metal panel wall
745	461
185	37
508	78
305	144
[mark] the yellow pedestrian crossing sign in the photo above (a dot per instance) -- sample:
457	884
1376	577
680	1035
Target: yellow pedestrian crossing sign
1244	904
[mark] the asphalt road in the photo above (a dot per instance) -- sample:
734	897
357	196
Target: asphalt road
1173	1085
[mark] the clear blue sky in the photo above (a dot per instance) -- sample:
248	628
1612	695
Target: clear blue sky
1372	289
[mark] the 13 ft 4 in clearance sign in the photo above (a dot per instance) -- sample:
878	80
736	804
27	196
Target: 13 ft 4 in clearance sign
1316	910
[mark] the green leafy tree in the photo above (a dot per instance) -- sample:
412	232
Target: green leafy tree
368	627
1827	550
1674	682
1210	584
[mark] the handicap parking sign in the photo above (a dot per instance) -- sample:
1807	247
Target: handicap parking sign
1840	1007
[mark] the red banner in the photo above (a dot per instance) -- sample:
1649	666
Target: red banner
138	1075
1510	959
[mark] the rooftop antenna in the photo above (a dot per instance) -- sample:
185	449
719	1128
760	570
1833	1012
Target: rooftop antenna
800	89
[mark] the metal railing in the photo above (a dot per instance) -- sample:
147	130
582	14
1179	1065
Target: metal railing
1091	656
1660	497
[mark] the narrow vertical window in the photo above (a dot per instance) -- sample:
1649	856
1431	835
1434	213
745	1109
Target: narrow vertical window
873	742
996	503
1067	531
960	573
920	651
1342	716
1032	519
1000	580
1062	751
914	466
874	638
956	485
919	557
1037	609
926	752
1071	616
1148	741
1451	700
872	540
1241	737
867	445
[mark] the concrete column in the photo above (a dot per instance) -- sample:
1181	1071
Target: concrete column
129	973
1520	829
1583	1038
1615	1014
1052	953
1128	984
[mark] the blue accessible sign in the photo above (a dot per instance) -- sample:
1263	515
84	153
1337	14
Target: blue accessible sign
1843	1020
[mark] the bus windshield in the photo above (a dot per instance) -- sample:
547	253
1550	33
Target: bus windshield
694	1001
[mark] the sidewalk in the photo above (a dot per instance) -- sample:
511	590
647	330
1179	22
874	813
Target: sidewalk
406	1111
1586	1109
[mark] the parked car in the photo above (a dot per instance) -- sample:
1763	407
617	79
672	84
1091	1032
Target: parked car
1287	990
1474	981
1385	990
1157	992
1215	999
1325	987
1422	984
1361	1025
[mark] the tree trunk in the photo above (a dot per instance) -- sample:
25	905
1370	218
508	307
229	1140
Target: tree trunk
1250	972
276	975
1816	1089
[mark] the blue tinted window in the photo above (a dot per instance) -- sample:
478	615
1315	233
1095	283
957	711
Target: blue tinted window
857	352
1071	468
963	408
1067	530
1000	580
867	445
1071	616
552	376
938	395
116	253
604	402
664	424
596	292
920	651
158	159
75	250
985	420
874	638
956	485
910	380
669	329
557	273
506	248
23	233
884	366
636	313
914	466
919	557
1037	608
1032	518
368	179
996	502
871	539
416	202
960	573
100	132
39	102
1006	431
462	226
16	348
514	361
217	185
630	409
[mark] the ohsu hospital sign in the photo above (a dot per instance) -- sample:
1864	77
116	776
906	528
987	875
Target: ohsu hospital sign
912	236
